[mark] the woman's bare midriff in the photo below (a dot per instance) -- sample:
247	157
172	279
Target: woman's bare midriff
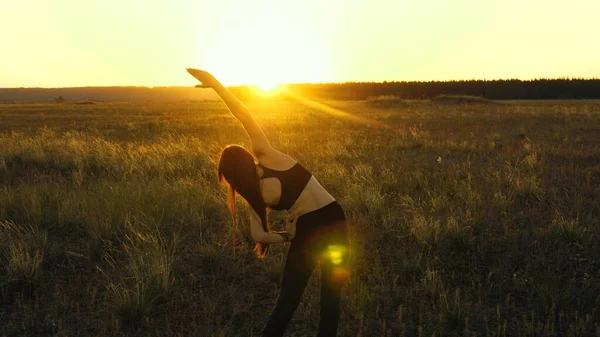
313	197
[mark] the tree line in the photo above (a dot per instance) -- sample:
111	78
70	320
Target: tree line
490	89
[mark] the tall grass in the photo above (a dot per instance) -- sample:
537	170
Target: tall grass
464	219
148	276
22	249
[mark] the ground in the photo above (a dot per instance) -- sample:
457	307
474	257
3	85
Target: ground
466	217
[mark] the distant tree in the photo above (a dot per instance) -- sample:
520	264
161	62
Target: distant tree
59	99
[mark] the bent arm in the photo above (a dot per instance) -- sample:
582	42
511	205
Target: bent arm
259	234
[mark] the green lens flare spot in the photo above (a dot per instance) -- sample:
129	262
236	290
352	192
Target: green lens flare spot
335	253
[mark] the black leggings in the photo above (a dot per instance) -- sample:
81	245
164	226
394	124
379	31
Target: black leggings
321	235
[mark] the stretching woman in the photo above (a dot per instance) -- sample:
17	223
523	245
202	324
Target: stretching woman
315	221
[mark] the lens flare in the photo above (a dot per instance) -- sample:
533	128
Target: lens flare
340	274
336	253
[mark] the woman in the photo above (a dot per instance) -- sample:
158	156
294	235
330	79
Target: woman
315	221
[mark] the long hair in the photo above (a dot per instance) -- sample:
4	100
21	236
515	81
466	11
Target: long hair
237	167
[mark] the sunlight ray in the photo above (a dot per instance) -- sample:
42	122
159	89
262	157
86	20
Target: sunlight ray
337	112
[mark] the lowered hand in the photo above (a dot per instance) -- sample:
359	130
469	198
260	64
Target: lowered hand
290	226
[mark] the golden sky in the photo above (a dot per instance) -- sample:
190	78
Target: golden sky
54	43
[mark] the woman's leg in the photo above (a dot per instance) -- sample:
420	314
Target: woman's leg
333	276
298	268
334	273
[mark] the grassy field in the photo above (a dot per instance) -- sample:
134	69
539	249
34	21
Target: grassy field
467	218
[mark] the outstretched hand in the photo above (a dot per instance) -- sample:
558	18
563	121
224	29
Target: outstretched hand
206	78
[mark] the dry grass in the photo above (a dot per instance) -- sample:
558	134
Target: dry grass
21	252
466	219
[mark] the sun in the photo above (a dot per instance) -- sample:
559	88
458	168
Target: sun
265	51
267	86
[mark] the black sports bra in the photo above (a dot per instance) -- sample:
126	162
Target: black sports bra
293	182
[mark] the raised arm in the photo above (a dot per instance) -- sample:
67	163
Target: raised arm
260	143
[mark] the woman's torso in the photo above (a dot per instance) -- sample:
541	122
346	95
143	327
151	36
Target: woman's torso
312	197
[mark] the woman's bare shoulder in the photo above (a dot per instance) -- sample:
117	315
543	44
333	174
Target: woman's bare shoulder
277	160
